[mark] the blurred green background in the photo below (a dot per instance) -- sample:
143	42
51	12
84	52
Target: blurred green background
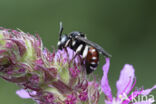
125	28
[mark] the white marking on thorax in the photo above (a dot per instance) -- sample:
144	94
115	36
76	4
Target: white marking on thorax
79	48
85	51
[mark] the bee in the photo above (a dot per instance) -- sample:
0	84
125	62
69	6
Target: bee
79	43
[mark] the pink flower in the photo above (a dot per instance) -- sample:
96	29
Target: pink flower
124	85
57	77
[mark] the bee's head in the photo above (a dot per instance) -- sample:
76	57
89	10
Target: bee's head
62	41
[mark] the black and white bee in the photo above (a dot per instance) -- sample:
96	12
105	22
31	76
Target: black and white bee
78	42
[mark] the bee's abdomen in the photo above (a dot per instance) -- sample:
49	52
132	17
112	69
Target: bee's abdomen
92	60
89	53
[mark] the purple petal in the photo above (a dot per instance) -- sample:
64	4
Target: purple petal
108	102
104	82
125	82
64	54
148	91
83	96
23	94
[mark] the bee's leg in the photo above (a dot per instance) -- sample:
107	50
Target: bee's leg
67	54
79	58
74	56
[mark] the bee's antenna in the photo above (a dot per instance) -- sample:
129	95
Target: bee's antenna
61	30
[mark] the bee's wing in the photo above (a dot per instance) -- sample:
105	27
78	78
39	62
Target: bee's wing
99	48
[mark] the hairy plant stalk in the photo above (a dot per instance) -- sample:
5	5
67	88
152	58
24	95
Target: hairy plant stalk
47	78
